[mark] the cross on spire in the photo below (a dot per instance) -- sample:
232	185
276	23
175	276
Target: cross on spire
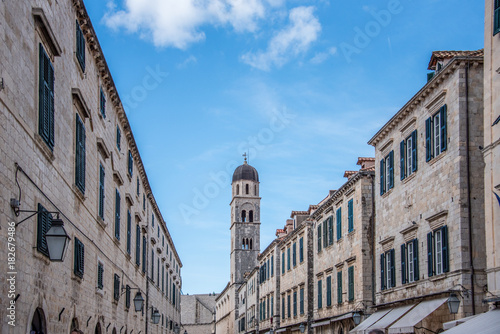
245	156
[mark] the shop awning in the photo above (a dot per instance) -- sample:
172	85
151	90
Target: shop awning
360	329
342	317
391	317
407	323
280	330
486	323
321	323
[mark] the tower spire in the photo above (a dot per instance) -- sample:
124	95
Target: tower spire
245	156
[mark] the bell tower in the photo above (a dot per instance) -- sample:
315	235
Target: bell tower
245	221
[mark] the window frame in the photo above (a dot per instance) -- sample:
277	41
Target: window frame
80	155
80	46
117	213
320	294
387	173
437	122
46	122
102	194
79	258
435	256
409	155
387	270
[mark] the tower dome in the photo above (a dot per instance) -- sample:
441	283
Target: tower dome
245	172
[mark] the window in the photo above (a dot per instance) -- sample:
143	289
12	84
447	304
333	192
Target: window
409	262
162	279
350	216
246	189
158	271
118	138
117	215
301	250
127	296
78	268
143	254
437	251
152	220
102	103
294	253
387	173
130	164
330	230
272	266
137	192
387	270
283	262
100	275
295	303
143	202
329	291
496	18
283	306
301	301
272	306
350	280
339	223
436	134
339	287
137	244
80	155
129	231
116	287
288	258
46	99
152	265
408	155
43	225
289	313
319	237
101	191
80	46
320	294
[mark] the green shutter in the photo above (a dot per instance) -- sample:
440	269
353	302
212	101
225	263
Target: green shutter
428	139
79	256
496	18
339	223
350	215
319	237
137	244
301	250
339	287
329	291
294	251
325	234
46	99
272	266
446	257
44	222
391	169
430	269
382	272
102	103
101	191
393	268
415	259
444	135
130	163
288	264
330	230
320	294
116	287
351	283
100	274
80	155
414	155
283	262
403	263
382	179
118	138
127	297
129	231
80	46
402	159
117	215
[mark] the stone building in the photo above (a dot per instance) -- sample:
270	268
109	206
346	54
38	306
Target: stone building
429	229
491	149
198	313
343	252
268	284
68	155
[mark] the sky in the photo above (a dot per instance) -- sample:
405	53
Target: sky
300	85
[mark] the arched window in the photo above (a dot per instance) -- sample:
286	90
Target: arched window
255	190
250	216
237	189
251	243
38	324
243	216
243	244
246	188
97	329
74	326
114	331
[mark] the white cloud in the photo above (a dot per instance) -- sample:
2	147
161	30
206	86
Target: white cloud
174	23
294	39
189	60
323	56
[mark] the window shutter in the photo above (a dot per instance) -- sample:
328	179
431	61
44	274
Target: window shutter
117	215
391	169
382	173
79	261
414	155
130	163
288	262
129	231
402	159
393	269
301	250
444	136
137	244
272	265
320	297
143	254
350	215
339	223
80	155
294	254
446	257
339	287
329	291
116	287
283	262
415	259
325	234
319	237
382	271
102	101
351	283
101	191
118	138
403	263
100	273
428	141
46	99
430	269
80	46
43	225
330	230
496	18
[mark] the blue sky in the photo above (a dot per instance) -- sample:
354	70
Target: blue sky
302	85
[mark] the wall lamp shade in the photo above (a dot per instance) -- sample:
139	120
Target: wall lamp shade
138	302
155	318
302	328
356	317
57	240
185	332
453	303
177	329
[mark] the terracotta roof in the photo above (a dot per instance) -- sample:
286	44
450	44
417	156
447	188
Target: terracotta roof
298	213
361	160
349	173
436	55
369	169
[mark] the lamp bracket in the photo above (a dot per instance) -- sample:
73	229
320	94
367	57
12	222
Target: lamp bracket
33	212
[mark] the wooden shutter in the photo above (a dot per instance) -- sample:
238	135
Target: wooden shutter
79	258
320	294
329	291
330	230
101	191
325	233
351	283
391	169
446	257
319	237
339	223
144	254
382	272
339	287
116	287
382	178
80	46
350	215
46	98
428	139
444	136
496	18
137	244
272	265
44	222
414	155
415	260
130	163
393	268
119	139
403	263
117	215
402	159
100	274
283	262
129	231
102	102
80	155
301	250
430	267
294	251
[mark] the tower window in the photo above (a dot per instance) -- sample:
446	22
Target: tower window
250	216
246	188
237	189
251	243
243	216
255	190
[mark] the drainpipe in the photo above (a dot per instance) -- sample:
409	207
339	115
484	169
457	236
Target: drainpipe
372	225
469	209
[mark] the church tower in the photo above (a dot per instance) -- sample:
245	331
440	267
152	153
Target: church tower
245	221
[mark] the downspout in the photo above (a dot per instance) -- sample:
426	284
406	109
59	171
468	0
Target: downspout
372	227
469	209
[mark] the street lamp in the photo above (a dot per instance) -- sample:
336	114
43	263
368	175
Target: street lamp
138	302
356	317
302	328
453	303
57	240
177	329
185	332
155	317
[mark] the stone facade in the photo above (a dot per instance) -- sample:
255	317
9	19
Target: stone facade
69	165
491	149
198	313
429	225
